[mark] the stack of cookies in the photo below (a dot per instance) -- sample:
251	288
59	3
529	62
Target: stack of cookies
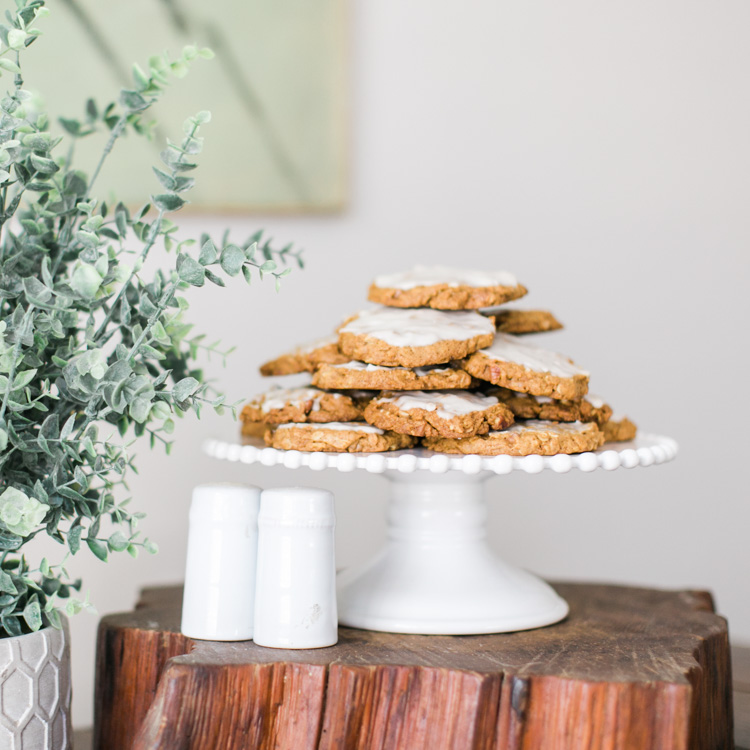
440	361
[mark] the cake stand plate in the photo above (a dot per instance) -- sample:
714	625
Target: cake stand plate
436	573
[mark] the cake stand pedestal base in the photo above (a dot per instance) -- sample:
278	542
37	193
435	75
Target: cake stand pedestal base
629	669
437	573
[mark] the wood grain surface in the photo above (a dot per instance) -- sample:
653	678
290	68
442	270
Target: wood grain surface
629	668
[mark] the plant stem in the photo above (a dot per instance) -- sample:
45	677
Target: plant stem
151	240
113	136
16	351
166	298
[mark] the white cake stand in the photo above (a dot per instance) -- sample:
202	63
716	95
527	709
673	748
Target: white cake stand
437	574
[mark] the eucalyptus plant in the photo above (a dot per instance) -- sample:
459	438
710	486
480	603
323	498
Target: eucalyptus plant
93	352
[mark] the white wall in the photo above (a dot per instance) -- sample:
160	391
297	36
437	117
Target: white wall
599	151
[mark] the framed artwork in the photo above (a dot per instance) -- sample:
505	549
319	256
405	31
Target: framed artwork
277	92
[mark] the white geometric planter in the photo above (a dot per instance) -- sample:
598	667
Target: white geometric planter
35	691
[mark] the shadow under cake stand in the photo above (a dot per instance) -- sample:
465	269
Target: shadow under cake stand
436	573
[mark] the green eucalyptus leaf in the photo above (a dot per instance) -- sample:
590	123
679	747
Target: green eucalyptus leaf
86	281
133	101
43	164
32	613
9	65
36	291
75	184
53	616
208	253
122	218
190	270
9	541
118	542
140	78
151	547
139	409
232	259
212	277
22	379
179	69
182	184
6	583
168	201
98	548
17	39
74	539
11	625
72	127
165	179
185	388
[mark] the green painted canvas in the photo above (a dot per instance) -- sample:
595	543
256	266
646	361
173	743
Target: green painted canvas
276	90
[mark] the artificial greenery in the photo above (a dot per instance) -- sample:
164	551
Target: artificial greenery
92	353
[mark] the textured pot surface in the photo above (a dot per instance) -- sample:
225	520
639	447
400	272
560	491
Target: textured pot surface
35	691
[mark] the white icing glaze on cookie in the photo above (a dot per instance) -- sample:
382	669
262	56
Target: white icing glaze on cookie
509	348
279	398
447	404
353	426
418	327
365	367
438	275
545	426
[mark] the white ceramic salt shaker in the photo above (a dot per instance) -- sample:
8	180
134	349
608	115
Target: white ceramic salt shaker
221	560
295	594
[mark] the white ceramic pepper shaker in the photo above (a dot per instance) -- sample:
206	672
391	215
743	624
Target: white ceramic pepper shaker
295	595
221	561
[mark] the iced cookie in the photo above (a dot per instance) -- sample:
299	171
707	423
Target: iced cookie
379	377
305	358
444	288
301	405
619	429
336	437
526	438
526	406
525	321
454	414
512	363
414	338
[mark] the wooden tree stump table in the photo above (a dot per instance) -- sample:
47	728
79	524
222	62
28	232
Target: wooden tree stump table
628	669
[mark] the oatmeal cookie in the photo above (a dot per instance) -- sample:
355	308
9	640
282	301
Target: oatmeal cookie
336	437
378	377
526	438
524	321
414	338
252	429
280	405
526	406
444	288
512	363
455	414
618	429
305	358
